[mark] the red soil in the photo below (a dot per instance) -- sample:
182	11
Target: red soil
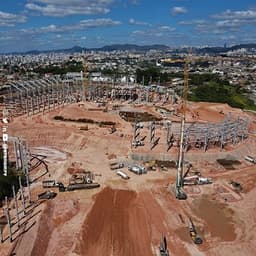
116	225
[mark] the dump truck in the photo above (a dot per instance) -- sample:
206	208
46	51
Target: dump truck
193	233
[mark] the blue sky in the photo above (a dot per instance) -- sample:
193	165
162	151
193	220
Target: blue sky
55	24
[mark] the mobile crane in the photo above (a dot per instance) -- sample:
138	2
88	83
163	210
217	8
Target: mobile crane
179	191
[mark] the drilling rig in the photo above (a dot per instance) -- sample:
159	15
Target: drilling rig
179	191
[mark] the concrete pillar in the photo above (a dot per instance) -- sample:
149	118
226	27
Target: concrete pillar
22	197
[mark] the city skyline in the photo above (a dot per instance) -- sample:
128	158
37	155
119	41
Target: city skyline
54	24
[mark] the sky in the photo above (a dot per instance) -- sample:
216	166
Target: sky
57	24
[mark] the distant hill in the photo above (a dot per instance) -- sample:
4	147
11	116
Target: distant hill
114	47
144	48
124	47
218	50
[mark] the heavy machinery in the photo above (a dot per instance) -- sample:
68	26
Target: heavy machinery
196	180
85	82
47	195
250	159
123	175
193	233
83	180
137	169
163	247
114	166
50	184
76	186
236	186
112	129
179	191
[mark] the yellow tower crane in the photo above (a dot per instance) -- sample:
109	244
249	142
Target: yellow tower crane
85	82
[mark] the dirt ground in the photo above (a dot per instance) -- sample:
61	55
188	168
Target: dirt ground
129	217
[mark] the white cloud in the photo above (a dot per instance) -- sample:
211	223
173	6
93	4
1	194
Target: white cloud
9	19
166	29
177	10
227	22
92	23
83	24
61	8
241	15
135	22
158	31
136	2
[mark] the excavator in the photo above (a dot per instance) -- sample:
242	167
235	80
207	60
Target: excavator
193	233
163	247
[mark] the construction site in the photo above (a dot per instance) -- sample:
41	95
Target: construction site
116	169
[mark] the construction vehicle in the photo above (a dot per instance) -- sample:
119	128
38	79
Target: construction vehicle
112	129
236	185
163	247
114	166
76	186
50	184
137	143
196	180
137	169
47	195
151	165
123	175
250	159
83	180
178	189
193	233
203	181
72	187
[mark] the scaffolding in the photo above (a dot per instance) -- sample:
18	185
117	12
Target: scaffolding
36	96
201	136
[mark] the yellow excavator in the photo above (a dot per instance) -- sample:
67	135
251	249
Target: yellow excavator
193	233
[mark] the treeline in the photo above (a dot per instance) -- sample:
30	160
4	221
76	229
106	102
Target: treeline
6	182
222	92
70	66
151	75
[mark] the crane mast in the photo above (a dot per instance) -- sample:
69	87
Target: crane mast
85	82
180	193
